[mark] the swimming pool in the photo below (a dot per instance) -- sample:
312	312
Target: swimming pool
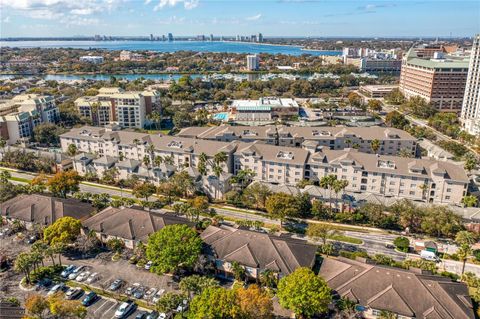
221	116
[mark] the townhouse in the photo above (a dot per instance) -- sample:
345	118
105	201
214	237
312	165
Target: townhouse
255	252
425	180
389	141
379	289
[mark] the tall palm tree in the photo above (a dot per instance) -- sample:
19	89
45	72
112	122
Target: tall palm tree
217	171
375	145
157	161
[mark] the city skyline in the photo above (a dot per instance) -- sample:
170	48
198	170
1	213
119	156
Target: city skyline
36	18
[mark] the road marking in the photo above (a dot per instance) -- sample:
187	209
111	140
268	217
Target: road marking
107	302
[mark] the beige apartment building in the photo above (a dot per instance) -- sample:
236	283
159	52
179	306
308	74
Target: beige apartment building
440	79
391	140
115	106
422	180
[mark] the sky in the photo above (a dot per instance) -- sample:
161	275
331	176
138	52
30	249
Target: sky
325	18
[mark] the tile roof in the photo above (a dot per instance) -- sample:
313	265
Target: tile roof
397	290
273	153
259	250
45	210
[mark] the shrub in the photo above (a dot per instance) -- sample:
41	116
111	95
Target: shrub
402	243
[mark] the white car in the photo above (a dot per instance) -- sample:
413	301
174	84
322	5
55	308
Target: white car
92	278
158	295
124	309
183	306
56	288
150	293
83	276
73	293
76	272
148	265
130	290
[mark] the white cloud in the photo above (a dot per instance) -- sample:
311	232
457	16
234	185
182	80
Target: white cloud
254	18
187	4
60	9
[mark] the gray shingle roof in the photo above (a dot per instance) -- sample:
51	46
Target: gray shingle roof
259	250
401	291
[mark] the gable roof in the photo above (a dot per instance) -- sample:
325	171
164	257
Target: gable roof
131	223
44	210
259	250
397	290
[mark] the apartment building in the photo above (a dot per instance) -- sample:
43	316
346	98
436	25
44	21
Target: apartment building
182	152
390	140
264	109
471	102
116	106
422	180
20	115
440	79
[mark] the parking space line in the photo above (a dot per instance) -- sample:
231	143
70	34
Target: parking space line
99	307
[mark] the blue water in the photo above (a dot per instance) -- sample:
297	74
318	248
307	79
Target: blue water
221	116
160	46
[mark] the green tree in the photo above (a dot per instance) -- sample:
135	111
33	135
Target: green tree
304	293
172	247
281	206
195	284
470	200
465	240
144	190
64	230
36	306
375	145
254	303
321	232
397	120
63	183
169	302
440	221
257	194
402	243
410	216
23	264
374	105
214	303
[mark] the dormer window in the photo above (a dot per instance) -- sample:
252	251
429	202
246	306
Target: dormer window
85	133
249	133
386	164
175	144
285	155
321	133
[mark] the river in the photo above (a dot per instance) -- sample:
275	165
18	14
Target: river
165	46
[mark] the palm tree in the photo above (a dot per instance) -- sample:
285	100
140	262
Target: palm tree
157	161
156	117
375	145
217	171
465	240
202	163
338	186
146	162
72	151
327	182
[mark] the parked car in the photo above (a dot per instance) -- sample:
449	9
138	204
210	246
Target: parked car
157	296
43	283
183	306
148	265
116	285
150	293
31	239
5	232
130	290
83	276
90	298
76	272
139	292
67	271
92	278
162	315
58	287
153	315
74	293
141	315
429	255
125	309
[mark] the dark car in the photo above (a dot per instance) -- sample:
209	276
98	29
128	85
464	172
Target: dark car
90	298
141	315
139	292
116	285
43	283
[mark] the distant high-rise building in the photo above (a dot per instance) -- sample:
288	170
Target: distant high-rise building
151	37
238	37
164	38
471	101
253	38
252	62
260	38
439	79
170	37
211	37
98	37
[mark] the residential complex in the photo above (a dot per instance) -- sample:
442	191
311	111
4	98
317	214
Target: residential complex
91	59
20	115
439	79
263	109
391	141
116	106
471	101
390	176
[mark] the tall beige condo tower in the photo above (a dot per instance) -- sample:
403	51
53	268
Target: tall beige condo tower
471	101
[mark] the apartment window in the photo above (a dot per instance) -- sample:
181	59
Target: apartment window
344	170
449	190
412	193
447	197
